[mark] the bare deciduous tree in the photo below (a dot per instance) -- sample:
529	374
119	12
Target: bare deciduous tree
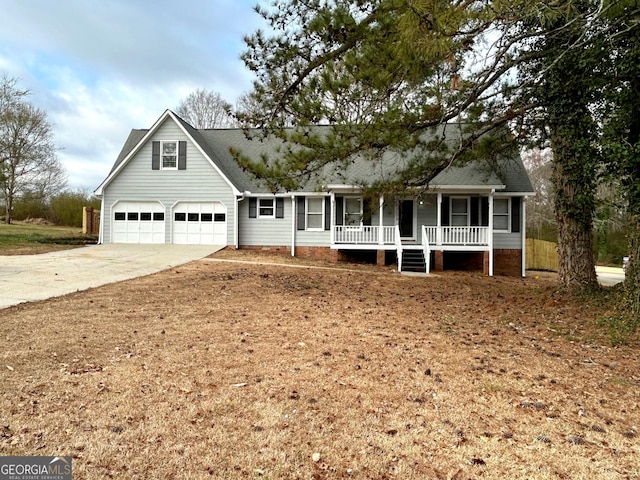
541	221
26	143
206	109
10	97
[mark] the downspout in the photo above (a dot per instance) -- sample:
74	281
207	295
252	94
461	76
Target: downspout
294	216
236	221
524	236
493	190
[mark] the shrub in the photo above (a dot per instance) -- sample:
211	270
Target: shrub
66	207
30	206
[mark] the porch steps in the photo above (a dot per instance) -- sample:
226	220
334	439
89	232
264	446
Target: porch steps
413	260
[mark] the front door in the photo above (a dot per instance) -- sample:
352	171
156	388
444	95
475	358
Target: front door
405	218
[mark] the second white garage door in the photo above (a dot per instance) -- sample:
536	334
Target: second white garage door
199	223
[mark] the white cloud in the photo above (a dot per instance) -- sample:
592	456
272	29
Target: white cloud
100	69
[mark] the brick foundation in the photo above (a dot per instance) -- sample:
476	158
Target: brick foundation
466	261
485	262
316	253
438	261
259	248
507	262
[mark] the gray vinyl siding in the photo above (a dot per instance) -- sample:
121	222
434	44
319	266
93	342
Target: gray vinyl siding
200	182
313	239
388	215
264	231
427	215
430	207
511	241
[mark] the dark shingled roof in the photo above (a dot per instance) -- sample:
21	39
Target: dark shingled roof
134	138
216	143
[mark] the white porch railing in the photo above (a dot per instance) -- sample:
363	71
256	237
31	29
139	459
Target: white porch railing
376	235
457	235
364	235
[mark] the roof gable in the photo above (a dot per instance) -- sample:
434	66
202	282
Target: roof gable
508	175
139	137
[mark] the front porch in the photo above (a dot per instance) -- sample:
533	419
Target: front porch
413	228
411	254
434	227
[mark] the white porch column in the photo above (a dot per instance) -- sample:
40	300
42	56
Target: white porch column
523	232
439	220
380	220
294	217
491	233
332	220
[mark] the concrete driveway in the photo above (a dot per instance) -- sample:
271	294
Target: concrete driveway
26	278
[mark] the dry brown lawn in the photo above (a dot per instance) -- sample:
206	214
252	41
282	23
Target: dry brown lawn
232	371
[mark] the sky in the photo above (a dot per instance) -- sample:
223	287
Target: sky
101	68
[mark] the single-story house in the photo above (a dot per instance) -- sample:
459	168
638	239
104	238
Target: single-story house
173	183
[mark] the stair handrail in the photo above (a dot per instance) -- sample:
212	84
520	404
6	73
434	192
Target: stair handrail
398	242
426	248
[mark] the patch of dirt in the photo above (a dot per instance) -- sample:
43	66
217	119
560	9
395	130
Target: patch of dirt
221	369
37	221
37	248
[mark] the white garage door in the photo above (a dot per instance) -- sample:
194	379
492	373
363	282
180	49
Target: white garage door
138	222
200	223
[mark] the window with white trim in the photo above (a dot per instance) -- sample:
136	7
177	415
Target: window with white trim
501	215
315	213
459	211
266	208
169	155
353	211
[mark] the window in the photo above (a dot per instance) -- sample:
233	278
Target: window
501	214
193	217
353	211
206	217
120	216
219	217
169	152
158	216
180	217
315	213
459	211
145	216
266	208
132	216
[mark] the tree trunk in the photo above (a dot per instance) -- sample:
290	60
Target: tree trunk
9	188
632	274
567	91
574	205
631	180
576	268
